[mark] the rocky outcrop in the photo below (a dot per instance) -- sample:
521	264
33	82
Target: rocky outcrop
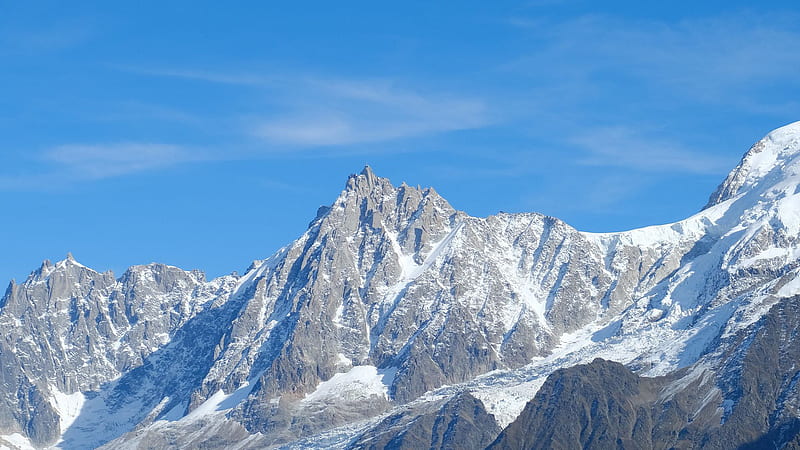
458	423
742	396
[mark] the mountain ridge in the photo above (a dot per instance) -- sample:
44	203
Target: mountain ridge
394	297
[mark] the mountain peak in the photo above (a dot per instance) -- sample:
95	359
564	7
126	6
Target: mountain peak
367	171
775	152
790	131
368	185
415	217
69	261
366	180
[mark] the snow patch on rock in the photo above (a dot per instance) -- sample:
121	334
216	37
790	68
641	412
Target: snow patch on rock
360	382
68	406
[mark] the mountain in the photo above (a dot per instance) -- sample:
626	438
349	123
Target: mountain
743	395
397	321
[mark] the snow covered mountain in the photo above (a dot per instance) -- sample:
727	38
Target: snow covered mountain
396	320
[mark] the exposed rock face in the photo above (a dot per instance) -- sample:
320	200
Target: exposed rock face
597	405
458	423
394	277
70	329
742	396
397	320
23	409
89	327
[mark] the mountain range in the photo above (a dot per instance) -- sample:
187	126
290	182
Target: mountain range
397	321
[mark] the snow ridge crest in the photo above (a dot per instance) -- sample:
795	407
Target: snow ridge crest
776	151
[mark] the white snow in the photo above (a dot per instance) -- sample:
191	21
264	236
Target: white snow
657	235
759	164
175	413
337	316
789	213
360	382
409	268
775	150
507	402
343	360
772	252
210	406
791	288
70	260
97	423
220	402
68	406
15	441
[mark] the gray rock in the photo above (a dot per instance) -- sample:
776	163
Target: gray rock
458	423
742	396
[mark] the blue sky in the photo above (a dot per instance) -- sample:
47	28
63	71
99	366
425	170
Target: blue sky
206	136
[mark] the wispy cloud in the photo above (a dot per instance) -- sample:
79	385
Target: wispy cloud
609	194
350	112
312	113
65	165
57	36
628	148
305	110
722	59
622	79
105	161
132	110
209	76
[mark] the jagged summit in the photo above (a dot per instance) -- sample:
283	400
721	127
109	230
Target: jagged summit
47	268
367	171
365	176
393	312
776	154
374	201
367	182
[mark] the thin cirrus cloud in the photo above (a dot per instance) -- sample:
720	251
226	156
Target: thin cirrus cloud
239	79
732	59
626	148
69	164
57	37
725	58
309	111
99	161
346	112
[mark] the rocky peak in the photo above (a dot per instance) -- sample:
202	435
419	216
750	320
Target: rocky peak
162	275
42	272
777	154
52	286
67	267
366	185
370	202
368	174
